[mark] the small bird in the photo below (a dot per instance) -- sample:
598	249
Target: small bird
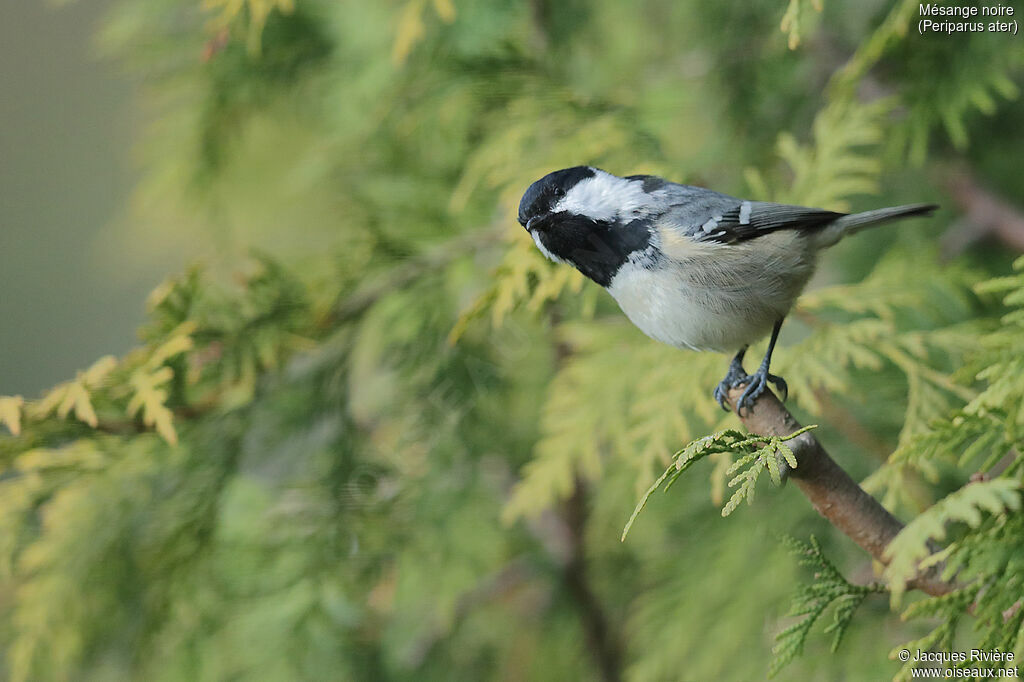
690	267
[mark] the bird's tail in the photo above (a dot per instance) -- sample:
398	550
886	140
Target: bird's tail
855	222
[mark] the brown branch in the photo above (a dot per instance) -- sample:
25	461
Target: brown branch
539	11
847	424
402	276
985	215
494	587
603	646
830	489
562	533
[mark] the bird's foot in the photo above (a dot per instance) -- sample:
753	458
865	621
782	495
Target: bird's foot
734	378
757	383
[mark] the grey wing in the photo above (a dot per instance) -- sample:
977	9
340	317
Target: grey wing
707	216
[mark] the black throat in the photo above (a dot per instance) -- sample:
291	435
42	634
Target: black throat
597	248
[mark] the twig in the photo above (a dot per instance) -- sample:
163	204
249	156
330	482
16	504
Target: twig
985	215
539	11
493	587
849	426
603	646
433	260
830	489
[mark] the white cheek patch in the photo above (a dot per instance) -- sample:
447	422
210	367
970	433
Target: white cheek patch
544	249
605	197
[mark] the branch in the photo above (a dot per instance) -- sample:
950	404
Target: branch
848	426
985	215
830	489
603	645
431	261
494	587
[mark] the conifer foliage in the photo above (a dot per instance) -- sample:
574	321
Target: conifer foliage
374	435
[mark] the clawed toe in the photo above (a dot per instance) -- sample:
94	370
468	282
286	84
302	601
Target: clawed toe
730	382
780	385
721	390
754	390
758	383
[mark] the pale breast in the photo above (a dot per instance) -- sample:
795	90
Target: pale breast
713	296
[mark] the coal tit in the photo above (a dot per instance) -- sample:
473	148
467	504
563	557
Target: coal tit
690	267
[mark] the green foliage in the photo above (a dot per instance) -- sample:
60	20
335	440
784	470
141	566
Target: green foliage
411	28
907	550
386	450
792	20
970	86
982	519
10	413
256	12
756	453
839	163
593	407
812	600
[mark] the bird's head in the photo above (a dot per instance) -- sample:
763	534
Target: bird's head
588	218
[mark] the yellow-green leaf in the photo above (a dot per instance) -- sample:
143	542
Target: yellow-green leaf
10	412
150	399
76	398
98	371
179	341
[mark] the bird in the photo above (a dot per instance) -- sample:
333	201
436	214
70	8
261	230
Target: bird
691	267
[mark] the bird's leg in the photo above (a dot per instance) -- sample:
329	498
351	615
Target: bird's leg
736	376
760	378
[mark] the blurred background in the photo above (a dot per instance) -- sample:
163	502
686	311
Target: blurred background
290	395
66	143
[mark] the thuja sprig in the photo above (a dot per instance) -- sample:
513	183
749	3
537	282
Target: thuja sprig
755	452
812	599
